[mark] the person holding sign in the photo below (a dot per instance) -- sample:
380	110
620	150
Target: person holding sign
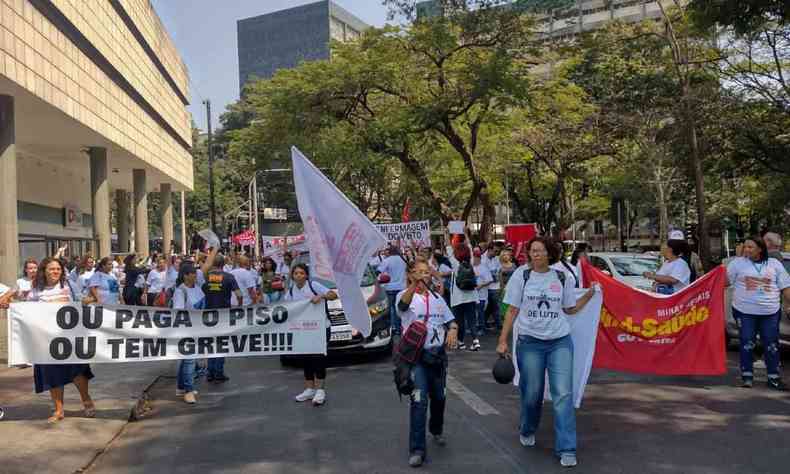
759	283
314	365
52	286
419	302
541	299
187	295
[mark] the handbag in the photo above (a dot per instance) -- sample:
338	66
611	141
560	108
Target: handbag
161	299
277	284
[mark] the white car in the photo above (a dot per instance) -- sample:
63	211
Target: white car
626	267
732	326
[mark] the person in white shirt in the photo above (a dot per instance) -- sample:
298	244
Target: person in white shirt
84	272
760	282
674	274
103	288
540	304
484	280
25	284
155	282
247	281
420	303
314	365
491	260
395	267
187	295
463	301
173	269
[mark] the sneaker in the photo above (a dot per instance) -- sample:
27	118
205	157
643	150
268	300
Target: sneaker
475	345
568	460
189	397
747	382
776	383
527	441
181	393
461	346
221	378
759	364
308	394
440	440
416	459
319	398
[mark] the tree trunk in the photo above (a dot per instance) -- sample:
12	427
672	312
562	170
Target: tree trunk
418	172
703	237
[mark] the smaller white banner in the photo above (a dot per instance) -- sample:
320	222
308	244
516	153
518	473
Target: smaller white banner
456	227
57	333
407	234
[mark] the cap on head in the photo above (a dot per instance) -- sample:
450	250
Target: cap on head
676	235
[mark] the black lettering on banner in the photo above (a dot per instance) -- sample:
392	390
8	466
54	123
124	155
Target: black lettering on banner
280	314
182	319
205	345
68	317
60	348
133	348
266	341
122	316
222	345
142	319
98	317
239	342
162	319
262	316
250	314
79	348
290	341
255	343
154	347
186	346
281	345
210	318
235	315
115	344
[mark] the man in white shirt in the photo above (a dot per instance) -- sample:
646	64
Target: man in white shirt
395	267
491	260
247	281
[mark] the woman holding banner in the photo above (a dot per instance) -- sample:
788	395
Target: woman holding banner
51	286
541	299
674	274
103	288
315	364
187	295
759	283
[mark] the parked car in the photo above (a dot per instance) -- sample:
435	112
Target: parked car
732	326
345	339
626	267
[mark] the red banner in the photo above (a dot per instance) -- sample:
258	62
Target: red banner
679	334
244	238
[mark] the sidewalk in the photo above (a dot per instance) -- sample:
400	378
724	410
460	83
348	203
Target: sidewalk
29	444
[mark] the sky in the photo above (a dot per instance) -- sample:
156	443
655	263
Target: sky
204	32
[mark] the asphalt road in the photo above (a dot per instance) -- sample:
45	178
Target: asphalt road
627	424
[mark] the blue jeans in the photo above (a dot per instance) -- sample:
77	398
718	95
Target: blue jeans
767	325
481	316
185	380
216	367
394	318
273	297
466	317
429	383
535	356
493	307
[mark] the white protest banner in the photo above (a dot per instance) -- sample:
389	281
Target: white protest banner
417	233
273	245
341	239
456	227
584	330
58	333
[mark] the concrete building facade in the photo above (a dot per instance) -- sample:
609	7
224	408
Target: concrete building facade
93	117
285	38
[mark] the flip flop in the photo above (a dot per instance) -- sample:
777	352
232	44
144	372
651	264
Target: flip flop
55	418
90	411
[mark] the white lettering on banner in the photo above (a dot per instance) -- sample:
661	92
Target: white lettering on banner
339	236
54	333
407	233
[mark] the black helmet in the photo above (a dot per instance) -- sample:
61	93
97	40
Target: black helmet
503	371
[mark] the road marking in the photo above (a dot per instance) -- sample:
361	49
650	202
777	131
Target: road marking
470	398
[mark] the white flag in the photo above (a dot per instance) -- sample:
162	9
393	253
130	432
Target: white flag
341	239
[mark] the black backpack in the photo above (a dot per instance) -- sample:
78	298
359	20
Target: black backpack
465	278
528	273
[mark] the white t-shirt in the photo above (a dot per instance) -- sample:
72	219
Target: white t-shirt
185	297
108	289
156	281
395	267
457	295
541	303
23	285
758	286
295	293
81	288
438	315
677	269
227	268
201	278
171	277
494	266
246	279
483	274
53	294
567	271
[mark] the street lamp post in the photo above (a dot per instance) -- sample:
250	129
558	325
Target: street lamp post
252	190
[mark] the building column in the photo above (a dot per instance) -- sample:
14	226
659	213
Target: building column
166	198
9	226
184	249
140	214
122	205
100	201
